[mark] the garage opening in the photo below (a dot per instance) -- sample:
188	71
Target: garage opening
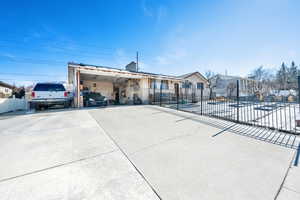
97	90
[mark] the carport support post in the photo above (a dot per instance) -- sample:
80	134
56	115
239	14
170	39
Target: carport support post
237	100
154	86
201	100
299	92
177	94
160	92
78	88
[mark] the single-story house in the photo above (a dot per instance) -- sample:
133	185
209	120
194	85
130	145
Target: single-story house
225	86
192	83
5	90
123	86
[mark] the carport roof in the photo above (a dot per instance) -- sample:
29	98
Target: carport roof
111	69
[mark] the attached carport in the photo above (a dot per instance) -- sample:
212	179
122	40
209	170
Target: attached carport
113	88
116	85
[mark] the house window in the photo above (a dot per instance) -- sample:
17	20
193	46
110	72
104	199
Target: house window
187	84
153	83
164	85
200	86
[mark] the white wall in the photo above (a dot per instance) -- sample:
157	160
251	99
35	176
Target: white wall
104	87
8	105
5	91
194	79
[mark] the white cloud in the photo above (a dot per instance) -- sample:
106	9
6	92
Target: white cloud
122	58
144	67
8	55
161	13
146	10
24	83
162	60
157	12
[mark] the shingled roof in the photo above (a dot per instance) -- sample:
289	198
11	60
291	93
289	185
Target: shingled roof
191	74
6	85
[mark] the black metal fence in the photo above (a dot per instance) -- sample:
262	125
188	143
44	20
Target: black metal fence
275	111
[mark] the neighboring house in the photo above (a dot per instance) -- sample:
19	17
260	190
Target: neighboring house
225	86
283	93
125	86
5	90
192	83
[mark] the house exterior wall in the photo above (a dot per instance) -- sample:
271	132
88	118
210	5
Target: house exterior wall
5	92
129	89
105	88
170	89
130	84
144	90
223	85
194	80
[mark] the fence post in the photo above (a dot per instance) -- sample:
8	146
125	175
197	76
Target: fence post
238	100
160	92
299	92
201	100
177	94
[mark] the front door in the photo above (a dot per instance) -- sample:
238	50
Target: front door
117	95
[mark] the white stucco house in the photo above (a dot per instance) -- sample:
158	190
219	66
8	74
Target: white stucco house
225	85
125	85
5	90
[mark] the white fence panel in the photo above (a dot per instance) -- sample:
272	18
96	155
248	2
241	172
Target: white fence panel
8	105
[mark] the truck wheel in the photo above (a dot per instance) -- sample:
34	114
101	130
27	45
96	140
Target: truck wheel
36	106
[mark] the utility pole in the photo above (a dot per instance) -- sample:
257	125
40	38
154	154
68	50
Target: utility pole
137	61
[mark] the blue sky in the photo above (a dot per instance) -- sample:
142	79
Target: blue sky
38	38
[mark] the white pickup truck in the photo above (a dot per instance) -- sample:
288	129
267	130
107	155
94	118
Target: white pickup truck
49	94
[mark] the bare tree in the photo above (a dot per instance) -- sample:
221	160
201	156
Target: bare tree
209	75
258	73
264	79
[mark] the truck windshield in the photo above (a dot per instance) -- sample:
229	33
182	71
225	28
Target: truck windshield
49	87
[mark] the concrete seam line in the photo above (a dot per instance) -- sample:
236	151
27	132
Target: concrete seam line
140	173
291	189
285	176
56	166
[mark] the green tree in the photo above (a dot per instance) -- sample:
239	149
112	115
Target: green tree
292	76
282	77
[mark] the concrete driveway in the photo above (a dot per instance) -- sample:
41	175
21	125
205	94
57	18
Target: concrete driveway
185	156
143	152
64	155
